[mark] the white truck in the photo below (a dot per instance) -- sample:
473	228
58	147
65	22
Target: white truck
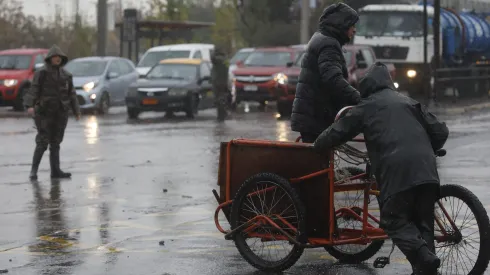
396	33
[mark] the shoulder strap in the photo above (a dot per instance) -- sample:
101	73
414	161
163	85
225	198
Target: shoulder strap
42	75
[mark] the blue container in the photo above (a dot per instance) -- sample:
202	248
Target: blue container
475	27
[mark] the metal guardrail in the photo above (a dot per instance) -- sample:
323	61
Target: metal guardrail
469	82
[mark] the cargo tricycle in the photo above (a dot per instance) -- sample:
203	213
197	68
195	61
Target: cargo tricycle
282	197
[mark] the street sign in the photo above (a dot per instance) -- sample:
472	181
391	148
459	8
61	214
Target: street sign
130	22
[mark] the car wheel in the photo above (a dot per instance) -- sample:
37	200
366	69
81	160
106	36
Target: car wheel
104	104
19	100
191	111
133	113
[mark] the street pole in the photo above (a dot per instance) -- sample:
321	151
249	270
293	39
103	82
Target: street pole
101	27
437	40
305	20
426	86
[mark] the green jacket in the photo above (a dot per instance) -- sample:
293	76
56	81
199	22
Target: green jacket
53	85
219	73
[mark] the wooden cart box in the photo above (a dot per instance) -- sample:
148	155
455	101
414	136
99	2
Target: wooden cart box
288	160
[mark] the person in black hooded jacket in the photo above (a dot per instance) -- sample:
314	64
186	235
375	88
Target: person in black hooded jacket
323	89
402	137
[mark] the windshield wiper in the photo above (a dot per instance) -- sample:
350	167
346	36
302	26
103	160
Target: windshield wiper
8	67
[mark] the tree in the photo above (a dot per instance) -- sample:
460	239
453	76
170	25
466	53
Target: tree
262	25
225	34
171	10
18	30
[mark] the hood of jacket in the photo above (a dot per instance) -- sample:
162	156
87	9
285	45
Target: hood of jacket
55	50
377	78
336	19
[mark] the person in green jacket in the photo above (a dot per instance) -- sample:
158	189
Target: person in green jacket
219	80
49	99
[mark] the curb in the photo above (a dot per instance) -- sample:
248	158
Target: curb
461	110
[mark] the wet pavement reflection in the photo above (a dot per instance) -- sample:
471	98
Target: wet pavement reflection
140	199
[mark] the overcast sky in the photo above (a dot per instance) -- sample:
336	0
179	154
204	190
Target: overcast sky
45	8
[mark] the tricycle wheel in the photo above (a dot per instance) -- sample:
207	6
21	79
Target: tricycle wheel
353	253
263	245
462	230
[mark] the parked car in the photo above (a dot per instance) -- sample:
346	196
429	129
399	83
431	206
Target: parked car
261	74
156	54
173	85
358	58
101	82
239	56
17	68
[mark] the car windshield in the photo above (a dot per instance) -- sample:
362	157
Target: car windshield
15	62
83	68
152	58
173	71
239	56
384	23
268	59
347	55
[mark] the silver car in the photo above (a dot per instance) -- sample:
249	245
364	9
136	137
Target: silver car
101	82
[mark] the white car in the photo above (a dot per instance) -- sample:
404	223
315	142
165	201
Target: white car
159	53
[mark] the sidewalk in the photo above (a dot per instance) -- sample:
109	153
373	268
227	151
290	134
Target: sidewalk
462	107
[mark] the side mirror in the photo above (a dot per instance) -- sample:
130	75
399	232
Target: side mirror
289	64
361	64
142	76
112	75
240	63
38	66
205	78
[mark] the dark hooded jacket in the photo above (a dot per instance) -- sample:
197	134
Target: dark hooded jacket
323	88
219	72
401	135
52	87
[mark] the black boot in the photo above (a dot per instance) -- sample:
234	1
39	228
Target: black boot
36	160
54	160
427	262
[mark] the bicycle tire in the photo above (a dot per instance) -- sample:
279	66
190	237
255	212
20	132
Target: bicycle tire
482	220
239	239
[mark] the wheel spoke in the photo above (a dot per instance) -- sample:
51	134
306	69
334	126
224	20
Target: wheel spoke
459	253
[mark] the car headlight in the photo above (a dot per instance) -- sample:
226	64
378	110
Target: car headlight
281	78
10	82
396	85
177	92
411	73
89	86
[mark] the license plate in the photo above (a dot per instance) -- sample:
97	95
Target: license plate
250	88
150	101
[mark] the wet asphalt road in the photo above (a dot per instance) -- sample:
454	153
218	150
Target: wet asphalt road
110	218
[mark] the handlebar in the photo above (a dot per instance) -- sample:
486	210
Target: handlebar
342	112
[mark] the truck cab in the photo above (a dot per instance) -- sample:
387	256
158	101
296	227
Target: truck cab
396	34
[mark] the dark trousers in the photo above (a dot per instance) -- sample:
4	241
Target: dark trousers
408	219
50	129
308	137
